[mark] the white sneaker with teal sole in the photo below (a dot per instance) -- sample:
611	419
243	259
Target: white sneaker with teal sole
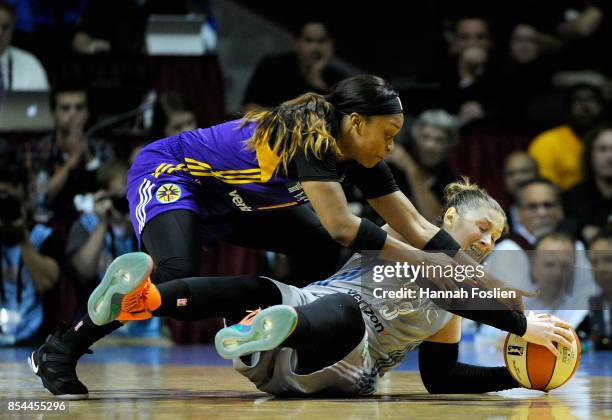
124	275
259	331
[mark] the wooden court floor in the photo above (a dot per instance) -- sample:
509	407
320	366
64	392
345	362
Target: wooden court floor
143	389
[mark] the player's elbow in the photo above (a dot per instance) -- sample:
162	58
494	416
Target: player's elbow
434	382
343	231
434	386
434	369
342	235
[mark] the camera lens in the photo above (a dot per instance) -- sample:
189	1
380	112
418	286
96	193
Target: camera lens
121	204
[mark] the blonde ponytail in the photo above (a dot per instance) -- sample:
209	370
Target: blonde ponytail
304	122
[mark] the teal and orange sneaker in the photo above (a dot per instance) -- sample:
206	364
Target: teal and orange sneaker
126	292
258	331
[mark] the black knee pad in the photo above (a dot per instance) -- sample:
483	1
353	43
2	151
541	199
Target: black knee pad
329	329
348	306
338	314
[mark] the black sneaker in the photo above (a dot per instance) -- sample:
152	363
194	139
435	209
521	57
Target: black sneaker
55	363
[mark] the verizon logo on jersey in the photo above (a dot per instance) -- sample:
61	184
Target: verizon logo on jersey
239	202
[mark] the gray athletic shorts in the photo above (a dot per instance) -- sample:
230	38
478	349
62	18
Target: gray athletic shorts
274	371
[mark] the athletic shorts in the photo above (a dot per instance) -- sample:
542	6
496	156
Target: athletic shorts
150	195
274	371
158	182
155	187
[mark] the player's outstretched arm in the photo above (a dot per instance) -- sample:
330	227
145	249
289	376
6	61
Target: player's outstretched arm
441	373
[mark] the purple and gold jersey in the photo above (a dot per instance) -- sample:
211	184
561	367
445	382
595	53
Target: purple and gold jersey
209	171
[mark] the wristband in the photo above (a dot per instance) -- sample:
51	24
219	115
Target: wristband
443	242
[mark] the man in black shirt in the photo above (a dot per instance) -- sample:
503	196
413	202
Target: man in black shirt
281	77
64	163
470	74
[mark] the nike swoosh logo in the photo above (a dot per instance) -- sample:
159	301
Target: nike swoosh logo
34	367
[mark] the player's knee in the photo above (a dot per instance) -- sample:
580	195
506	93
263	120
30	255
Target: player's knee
347	308
175	268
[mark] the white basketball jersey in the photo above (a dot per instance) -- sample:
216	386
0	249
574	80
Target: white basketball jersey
394	326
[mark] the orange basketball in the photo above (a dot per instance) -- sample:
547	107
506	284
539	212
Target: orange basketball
535	367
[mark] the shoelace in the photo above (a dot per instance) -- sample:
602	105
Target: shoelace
133	301
247	320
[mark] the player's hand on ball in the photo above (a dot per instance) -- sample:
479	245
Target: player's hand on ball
546	330
547	360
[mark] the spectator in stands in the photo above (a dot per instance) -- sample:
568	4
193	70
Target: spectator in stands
525	73
553	268
172	115
29	261
600	316
63	163
102	233
126	34
19	70
524	47
585	32
471	75
558	151
94	34
423	171
281	77
540	213
590	202
103	216
45	27
519	167
577	31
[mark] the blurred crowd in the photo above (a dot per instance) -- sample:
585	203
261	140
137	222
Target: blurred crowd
64	216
